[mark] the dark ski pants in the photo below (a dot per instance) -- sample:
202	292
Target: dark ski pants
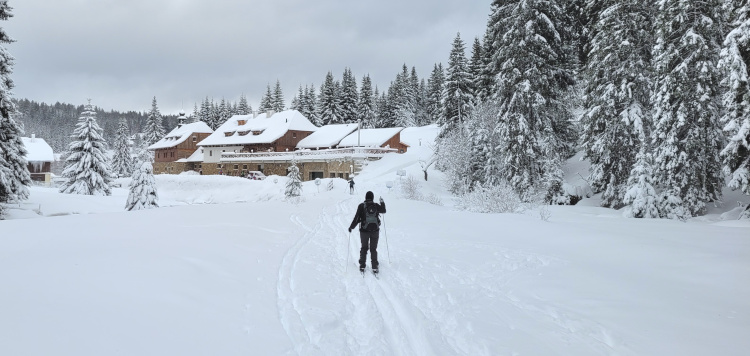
369	242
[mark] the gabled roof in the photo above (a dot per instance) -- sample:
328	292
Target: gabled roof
38	150
327	136
180	134
246	129
370	137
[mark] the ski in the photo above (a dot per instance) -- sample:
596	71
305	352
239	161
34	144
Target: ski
375	273
362	270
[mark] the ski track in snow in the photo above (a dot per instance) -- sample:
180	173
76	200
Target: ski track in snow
326	306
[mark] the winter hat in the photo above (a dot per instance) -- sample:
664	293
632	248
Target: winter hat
369	196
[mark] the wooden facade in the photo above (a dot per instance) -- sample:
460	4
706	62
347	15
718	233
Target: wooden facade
40	171
395	143
182	150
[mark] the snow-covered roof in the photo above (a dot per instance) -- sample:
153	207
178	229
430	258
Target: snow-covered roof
180	134
246	129
370	137
197	156
38	150
327	136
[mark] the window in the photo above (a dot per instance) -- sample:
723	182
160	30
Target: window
333	175
210	152
244	166
236	167
294	135
195	139
218	166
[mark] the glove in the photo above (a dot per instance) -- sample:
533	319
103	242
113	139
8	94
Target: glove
350	229
381	200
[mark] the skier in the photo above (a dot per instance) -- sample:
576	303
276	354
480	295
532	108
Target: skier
368	218
351	186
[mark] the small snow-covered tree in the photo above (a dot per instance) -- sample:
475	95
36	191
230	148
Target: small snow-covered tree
244	108
266	101
277	100
143	193
294	185
86	170
154	130
122	162
640	195
13	165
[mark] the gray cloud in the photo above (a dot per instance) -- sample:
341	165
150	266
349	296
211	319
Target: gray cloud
122	53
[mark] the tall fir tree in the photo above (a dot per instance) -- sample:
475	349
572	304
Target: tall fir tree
142	190
310	106
532	82
457	95
366	104
266	101
14	172
329	103
435	93
687	137
277	101
349	97
476	68
244	108
735	62
86	169
122	162
154	129
617	96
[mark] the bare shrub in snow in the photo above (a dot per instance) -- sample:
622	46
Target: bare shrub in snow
500	198
410	188
544	213
433	199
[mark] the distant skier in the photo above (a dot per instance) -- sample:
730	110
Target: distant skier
368	218
351	186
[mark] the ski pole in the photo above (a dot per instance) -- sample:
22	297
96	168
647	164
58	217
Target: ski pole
348	252
385	231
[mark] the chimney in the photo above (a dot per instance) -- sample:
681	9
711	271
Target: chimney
270	113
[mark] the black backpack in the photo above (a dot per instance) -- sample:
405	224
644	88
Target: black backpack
371	221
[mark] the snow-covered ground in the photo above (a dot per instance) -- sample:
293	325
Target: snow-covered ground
227	267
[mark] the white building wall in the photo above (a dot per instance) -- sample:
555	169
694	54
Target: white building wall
213	154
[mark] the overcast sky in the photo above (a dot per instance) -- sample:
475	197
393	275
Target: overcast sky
122	53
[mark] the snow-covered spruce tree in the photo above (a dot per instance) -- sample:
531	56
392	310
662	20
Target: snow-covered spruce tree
122	162
617	104
451	159
13	163
457	95
402	98
277	101
349	97
244	108
154	130
294	185
143	189
266	101
735	61
435	93
329	102
687	137
86	170
485	162
366	104
309	105
640	195
533	78
476	67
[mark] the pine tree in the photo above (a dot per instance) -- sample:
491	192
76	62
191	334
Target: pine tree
14	172
86	170
310	106
457	95
244	108
366	105
617	103
294	185
142	193
154	130
640	195
533	79
349	97
476	67
277	100
329	104
735	62
266	101
687	137
122	162
435	93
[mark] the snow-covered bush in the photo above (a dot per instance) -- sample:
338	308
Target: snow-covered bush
500	198
142	189
410	188
544	213
434	199
294	185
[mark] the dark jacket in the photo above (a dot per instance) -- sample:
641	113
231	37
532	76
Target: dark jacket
359	217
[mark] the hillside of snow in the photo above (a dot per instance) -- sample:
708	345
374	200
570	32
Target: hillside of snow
226	266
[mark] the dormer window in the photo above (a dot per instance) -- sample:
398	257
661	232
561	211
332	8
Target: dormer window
243	133
227	134
256	133
241	122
